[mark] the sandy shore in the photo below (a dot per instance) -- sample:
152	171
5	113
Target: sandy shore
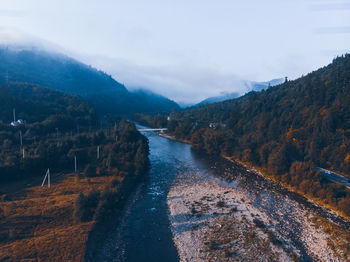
212	221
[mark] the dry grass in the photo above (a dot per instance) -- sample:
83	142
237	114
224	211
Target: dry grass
37	224
338	240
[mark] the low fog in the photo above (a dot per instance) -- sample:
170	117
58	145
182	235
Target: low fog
188	50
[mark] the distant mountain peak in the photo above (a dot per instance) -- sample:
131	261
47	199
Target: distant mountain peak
250	86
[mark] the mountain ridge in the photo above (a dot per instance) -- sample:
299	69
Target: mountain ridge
68	75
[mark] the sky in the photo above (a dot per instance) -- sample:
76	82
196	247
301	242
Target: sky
187	50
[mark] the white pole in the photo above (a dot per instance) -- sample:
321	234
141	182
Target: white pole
48	178
75	164
44	179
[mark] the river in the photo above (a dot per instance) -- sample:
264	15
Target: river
145	234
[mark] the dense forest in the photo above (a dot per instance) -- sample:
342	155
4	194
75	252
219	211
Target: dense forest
62	73
95	164
288	130
58	128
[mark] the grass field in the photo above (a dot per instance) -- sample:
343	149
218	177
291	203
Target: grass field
37	223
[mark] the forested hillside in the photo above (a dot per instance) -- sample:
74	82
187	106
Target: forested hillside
65	74
289	130
58	127
93	167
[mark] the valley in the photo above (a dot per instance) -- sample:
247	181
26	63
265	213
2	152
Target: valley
243	179
220	210
166	131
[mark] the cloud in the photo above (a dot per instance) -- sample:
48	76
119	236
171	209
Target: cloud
11	13
331	6
333	30
180	83
21	40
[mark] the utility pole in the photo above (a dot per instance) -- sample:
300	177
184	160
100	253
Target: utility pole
98	152
20	138
47	175
75	164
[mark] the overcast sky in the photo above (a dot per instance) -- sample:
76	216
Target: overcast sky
186	49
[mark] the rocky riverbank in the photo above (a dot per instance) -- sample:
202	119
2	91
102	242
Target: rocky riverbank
212	220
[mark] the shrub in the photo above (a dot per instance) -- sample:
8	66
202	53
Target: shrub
259	223
84	207
79	208
90	170
109	202
221	203
115	182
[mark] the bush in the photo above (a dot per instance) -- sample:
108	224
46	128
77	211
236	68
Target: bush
84	207
115	183
5	197
90	170
79	208
259	223
110	201
221	203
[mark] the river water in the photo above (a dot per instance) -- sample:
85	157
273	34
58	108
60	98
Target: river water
145	234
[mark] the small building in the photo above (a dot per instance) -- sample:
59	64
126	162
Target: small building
16	122
213	125
19	122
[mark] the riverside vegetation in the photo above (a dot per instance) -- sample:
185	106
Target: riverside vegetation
54	224
286	131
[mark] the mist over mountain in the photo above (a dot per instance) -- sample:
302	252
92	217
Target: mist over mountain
251	86
62	73
155	102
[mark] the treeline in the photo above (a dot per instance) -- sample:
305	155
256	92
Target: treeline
289	130
39	105
60	129
126	159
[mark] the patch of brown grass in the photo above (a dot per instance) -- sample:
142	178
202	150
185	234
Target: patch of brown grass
38	223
